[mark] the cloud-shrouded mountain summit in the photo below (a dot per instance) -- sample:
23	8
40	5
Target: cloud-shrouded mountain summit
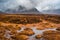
29	5
21	9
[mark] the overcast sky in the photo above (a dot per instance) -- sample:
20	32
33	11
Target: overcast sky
40	5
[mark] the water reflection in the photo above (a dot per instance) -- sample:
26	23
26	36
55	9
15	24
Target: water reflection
37	32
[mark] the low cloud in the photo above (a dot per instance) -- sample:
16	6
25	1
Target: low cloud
40	5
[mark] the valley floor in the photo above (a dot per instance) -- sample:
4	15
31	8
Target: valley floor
29	27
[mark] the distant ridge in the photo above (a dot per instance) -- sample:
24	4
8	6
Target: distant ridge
57	11
30	12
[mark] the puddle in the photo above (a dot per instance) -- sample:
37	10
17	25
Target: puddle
36	32
33	36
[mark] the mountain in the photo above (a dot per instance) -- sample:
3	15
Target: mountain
53	11
21	9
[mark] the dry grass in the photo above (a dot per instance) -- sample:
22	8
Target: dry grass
11	24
